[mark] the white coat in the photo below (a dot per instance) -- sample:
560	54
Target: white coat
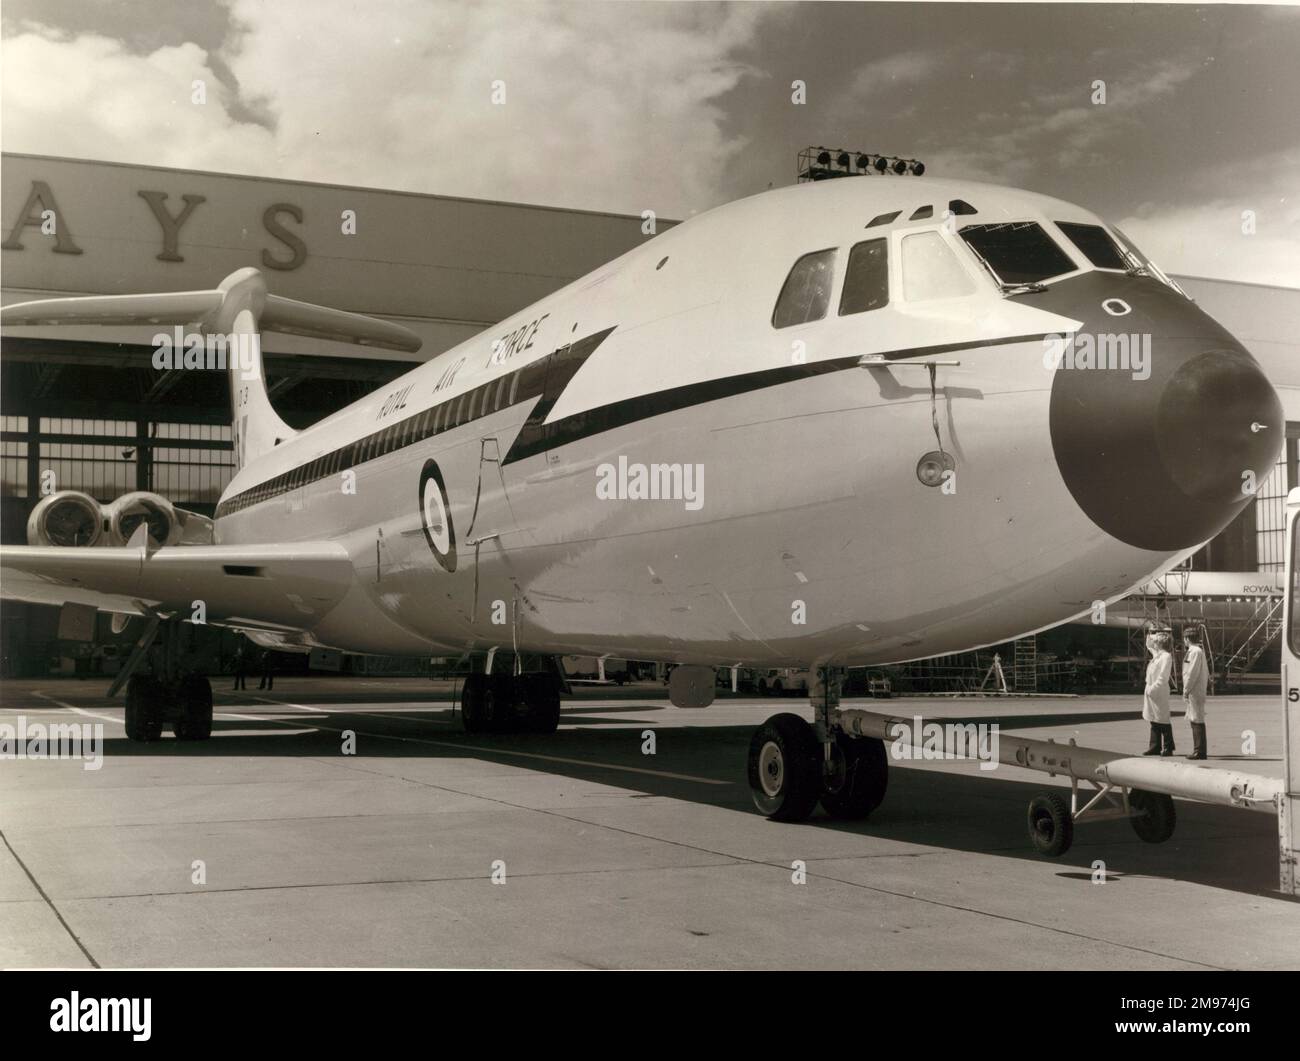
1155	699
1196	682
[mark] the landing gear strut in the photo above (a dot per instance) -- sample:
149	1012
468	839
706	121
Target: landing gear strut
794	765
171	694
510	703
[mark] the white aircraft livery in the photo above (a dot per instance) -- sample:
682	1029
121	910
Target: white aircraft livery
843	423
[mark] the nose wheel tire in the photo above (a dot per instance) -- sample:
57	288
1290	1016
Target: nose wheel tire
1051	829
785	768
1153	815
859	778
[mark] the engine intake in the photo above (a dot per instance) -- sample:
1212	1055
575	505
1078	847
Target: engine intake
125	515
66	518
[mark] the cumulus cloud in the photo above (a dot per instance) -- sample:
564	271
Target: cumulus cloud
606	106
1252	234
87	96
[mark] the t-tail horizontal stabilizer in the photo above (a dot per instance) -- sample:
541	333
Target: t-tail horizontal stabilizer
238	310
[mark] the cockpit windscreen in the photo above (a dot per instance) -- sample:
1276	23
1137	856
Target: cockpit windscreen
1095	243
1018	252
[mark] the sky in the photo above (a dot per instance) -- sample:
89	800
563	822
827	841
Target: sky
679	107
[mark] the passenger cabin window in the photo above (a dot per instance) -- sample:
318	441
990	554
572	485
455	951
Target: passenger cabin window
806	293
1095	243
866	283
931	270
1018	252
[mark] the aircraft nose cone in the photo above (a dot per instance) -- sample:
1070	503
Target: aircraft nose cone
1218	417
1165	463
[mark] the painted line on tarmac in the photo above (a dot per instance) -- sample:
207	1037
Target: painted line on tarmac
551	758
286	703
506	751
78	710
441	744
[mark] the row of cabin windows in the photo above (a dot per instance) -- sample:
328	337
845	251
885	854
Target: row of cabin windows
480	401
806	294
930	270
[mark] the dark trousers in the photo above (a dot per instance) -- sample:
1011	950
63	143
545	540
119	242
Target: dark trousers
239	680
1198	740
1162	739
267	682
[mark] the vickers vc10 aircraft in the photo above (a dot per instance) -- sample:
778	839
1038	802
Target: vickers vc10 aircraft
826	426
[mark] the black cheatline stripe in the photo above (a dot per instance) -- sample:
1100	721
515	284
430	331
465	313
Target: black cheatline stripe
544	378
644	406
547	378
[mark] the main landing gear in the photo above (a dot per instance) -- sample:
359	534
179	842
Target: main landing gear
172	695
511	703
794	765
185	705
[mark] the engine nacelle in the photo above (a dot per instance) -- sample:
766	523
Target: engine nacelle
125	515
66	518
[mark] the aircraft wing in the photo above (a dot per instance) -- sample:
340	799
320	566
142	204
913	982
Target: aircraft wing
286	587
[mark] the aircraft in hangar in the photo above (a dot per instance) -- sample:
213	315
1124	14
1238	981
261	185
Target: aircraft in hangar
822	427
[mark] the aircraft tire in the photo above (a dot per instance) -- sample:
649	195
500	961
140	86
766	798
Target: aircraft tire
144	696
1154	816
475	716
195	695
863	778
785	768
540	691
1051	829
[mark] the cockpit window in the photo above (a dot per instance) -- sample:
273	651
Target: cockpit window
1095	243
1018	252
1140	264
866	283
931	270
806	293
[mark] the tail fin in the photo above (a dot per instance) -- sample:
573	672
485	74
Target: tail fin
239	310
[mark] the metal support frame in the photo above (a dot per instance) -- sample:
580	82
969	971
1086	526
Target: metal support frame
1113	806
825	697
137	654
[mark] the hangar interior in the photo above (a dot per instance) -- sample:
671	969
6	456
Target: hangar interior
85	409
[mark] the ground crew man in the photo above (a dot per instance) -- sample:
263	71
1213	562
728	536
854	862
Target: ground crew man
1196	682
1155	697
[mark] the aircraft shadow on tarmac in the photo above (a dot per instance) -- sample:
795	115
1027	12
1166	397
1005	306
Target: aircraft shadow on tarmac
972	810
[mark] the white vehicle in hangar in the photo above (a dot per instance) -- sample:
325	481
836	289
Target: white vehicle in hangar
778	681
838	441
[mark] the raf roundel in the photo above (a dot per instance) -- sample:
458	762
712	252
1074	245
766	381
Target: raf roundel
435	514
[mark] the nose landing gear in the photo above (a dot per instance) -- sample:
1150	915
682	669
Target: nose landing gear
794	765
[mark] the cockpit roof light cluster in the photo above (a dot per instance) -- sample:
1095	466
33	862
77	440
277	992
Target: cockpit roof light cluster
825	163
